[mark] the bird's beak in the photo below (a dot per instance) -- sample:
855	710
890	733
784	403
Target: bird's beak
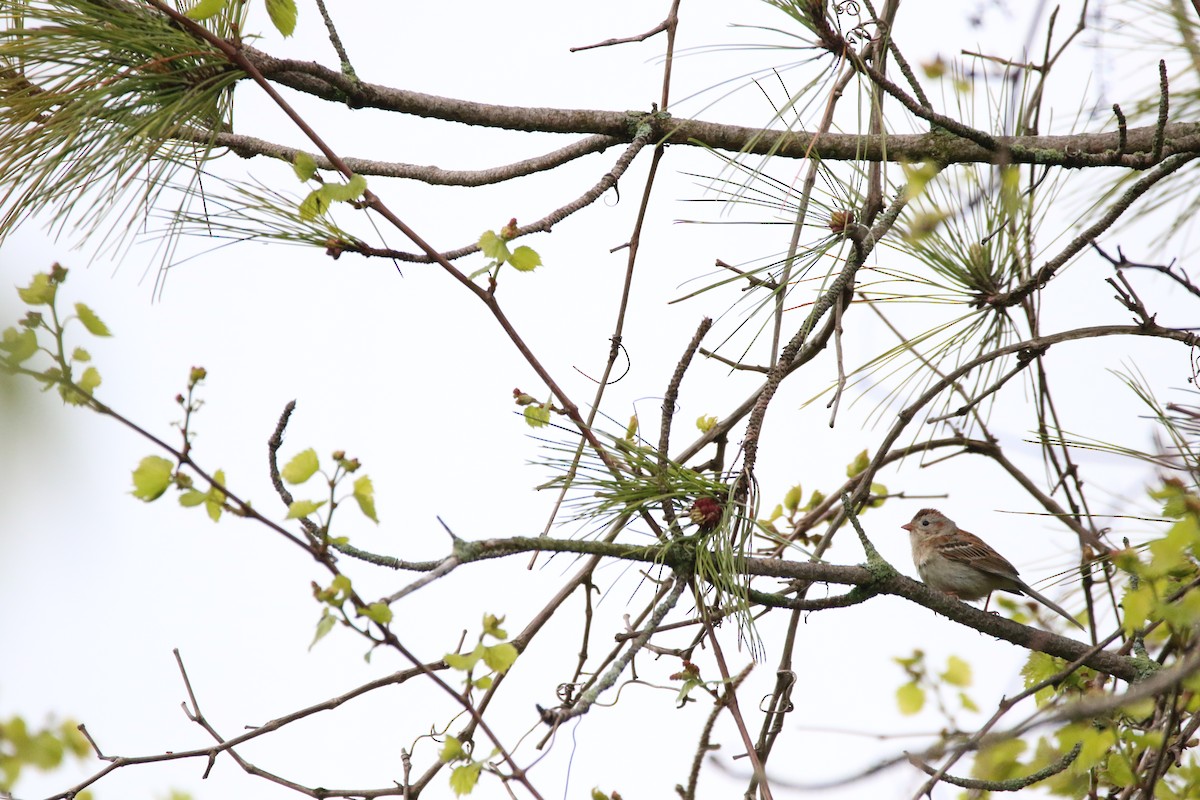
907	526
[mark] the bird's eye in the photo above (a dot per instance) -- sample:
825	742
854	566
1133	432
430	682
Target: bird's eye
924	523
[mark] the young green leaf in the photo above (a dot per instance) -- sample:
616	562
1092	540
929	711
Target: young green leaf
79	354
303	165
40	291
324	626
491	626
302	508
1119	770
464	778
152	477
302	467
500	657
525	259
71	396
860	462
452	750
378	612
1010	189
1137	603
214	500
463	663
94	324
75	741
314	205
485	268
537	416
283	15
792	499
911	698
344	192
958	672
205	9
916	176
20	345
192	498
364	493
89	380
493	246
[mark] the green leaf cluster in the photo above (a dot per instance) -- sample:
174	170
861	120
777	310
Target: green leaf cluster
305	464
784	523
1164	570
495	246
44	749
45	331
283	13
1106	748
213	500
496	657
787	520
1040	667
878	490
318	201
537	415
155	474
465	775
691	679
912	695
334	596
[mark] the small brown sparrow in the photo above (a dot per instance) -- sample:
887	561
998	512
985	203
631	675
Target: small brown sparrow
961	564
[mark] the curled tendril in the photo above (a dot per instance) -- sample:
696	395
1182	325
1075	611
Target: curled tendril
850	7
859	34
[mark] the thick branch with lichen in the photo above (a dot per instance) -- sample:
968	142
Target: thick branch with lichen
680	557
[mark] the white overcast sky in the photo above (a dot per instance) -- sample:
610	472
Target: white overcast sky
411	375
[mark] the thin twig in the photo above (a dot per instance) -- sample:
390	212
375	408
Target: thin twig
668	410
255	732
735	710
251	146
704	745
840	386
1039	279
336	41
1164	105
1121	262
558	716
616	346
1122	130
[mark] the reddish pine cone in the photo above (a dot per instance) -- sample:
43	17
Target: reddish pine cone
706	513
